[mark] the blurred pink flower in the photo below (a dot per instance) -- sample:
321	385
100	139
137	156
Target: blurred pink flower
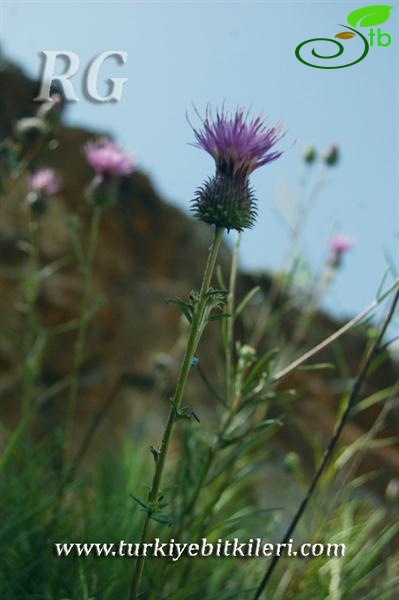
44	181
107	158
340	243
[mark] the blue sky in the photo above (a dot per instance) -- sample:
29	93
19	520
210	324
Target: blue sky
180	53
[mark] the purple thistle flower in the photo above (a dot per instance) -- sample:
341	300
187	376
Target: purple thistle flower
239	146
340	243
107	158
44	182
236	144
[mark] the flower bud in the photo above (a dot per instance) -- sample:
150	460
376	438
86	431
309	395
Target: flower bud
42	184
30	129
292	463
37	203
247	353
246	356
331	156
309	155
339	245
226	202
102	190
51	110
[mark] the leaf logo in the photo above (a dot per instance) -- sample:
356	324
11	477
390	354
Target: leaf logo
345	35
369	15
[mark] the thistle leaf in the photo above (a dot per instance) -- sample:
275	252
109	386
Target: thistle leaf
187	309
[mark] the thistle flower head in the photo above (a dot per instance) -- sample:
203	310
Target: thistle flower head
239	145
42	184
340	243
107	158
45	182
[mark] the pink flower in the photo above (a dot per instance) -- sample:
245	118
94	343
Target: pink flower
107	158
340	243
44	181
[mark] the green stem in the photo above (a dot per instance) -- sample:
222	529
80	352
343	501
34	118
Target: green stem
229	324
33	286
192	343
29	372
84	317
230	375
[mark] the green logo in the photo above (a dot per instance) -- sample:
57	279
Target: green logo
368	16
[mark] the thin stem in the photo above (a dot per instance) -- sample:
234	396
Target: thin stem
24	163
32	326
229	323
91	431
82	324
33	285
228	331
356	389
33	345
232	395
196	329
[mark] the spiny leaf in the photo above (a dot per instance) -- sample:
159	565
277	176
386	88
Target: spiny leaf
187	309
185	412
219	317
217	293
154	512
143	505
162	518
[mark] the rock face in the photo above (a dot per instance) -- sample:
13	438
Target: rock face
147	251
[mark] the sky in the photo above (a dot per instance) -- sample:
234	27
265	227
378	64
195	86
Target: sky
185	54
